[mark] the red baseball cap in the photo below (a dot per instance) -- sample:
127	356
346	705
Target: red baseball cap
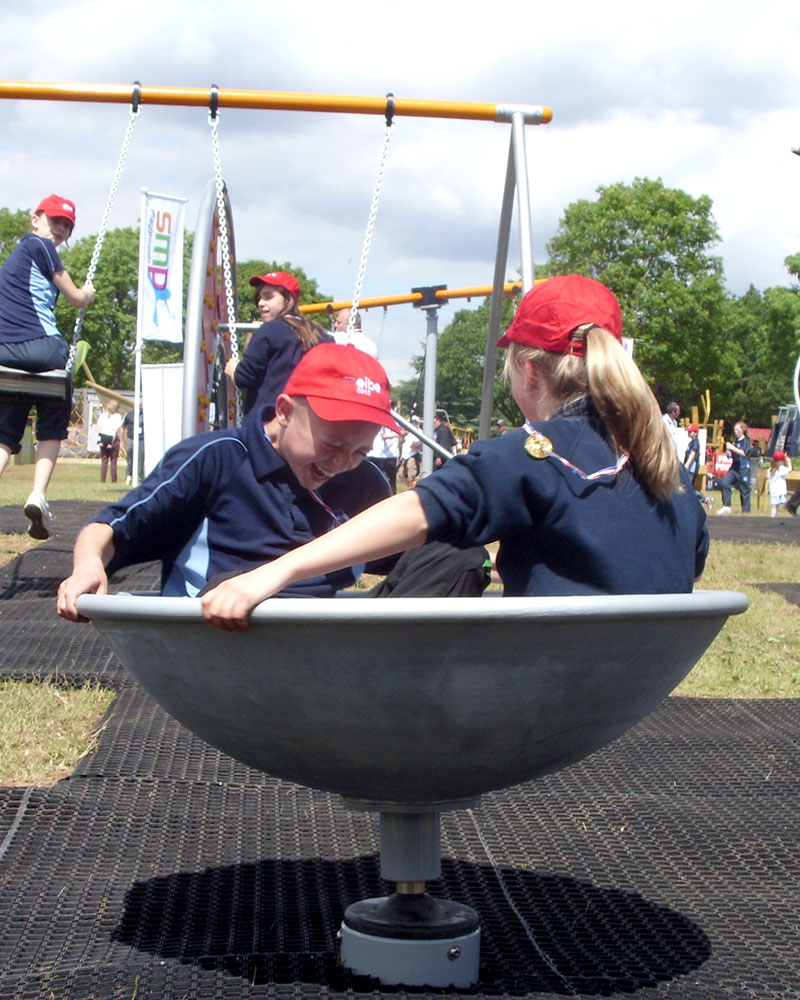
58	208
342	383
280	279
779	456
693	427
551	310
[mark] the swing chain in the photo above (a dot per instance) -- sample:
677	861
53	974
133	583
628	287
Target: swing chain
222	218
373	211
101	235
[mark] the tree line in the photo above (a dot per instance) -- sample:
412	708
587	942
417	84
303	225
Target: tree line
652	245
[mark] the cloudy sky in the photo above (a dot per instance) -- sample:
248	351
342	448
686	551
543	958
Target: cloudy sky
700	93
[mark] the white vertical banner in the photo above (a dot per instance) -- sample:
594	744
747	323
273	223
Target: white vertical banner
159	314
161	268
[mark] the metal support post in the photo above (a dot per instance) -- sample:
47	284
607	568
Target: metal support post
431	305
496	305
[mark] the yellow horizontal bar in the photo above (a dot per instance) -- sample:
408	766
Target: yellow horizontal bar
534	114
443	295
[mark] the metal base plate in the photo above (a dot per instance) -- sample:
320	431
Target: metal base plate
393	961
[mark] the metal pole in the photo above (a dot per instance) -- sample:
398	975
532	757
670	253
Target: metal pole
429	394
534	114
495	308
413	429
193	326
523	200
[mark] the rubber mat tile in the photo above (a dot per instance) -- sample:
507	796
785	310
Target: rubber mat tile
138	739
724	868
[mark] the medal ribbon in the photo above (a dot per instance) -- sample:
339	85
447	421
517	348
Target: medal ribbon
610	470
337	518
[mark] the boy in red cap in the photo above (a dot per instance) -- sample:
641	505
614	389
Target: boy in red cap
587	498
229	500
275	348
30	281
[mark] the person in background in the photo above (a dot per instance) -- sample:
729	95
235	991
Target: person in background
671	416
691	457
411	457
30	281
691	462
275	347
108	425
442	435
738	476
587	498
355	337
779	469
126	432
385	453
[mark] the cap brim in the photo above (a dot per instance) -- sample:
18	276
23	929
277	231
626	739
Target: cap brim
338	410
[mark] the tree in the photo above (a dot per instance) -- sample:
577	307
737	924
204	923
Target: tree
651	245
459	368
12	226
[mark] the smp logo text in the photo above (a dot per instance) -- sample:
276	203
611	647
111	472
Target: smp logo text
160	240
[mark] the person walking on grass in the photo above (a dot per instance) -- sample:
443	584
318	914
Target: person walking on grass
738	476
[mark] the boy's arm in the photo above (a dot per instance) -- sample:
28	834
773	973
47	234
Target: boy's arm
78	297
393	525
94	549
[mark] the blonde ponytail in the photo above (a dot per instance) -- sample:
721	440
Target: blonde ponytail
623	400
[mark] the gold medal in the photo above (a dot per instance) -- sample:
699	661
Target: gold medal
537	445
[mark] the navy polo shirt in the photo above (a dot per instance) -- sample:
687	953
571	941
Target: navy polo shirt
741	463
225	501
264	368
27	292
561	534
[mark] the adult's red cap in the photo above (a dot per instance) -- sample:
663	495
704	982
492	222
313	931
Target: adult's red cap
553	309
58	208
279	279
342	383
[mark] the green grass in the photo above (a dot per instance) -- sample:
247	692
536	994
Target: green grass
73	479
757	654
45	729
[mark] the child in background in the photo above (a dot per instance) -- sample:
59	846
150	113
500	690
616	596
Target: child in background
779	469
277	345
30	281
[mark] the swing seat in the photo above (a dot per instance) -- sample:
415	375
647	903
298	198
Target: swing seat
19	385
413	701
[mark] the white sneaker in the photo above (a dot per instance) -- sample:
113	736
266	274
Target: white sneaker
38	513
724	510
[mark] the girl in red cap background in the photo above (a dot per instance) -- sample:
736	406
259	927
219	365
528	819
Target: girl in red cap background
30	281
588	498
276	347
779	469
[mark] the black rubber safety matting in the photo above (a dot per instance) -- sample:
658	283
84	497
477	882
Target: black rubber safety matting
666	865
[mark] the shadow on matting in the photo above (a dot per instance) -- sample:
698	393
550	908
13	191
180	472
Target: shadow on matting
665	865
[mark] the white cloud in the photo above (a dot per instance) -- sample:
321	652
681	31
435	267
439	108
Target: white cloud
699	94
